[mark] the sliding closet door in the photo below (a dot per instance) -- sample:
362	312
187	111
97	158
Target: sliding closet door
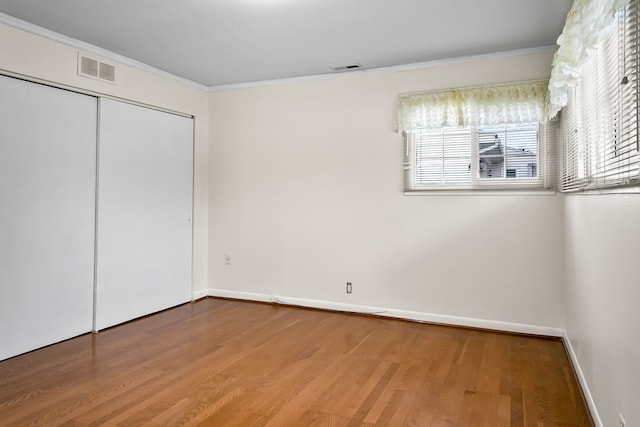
145	164
47	215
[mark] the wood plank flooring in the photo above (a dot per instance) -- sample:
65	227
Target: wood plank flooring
230	363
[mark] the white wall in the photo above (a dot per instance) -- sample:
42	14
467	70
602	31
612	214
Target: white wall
602	296
34	57
306	194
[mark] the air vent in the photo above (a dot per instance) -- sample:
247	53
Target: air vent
349	67
107	72
89	67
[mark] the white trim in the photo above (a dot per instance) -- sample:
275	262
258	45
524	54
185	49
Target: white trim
79	44
83	91
199	294
393	68
479	192
393	313
632	189
583	381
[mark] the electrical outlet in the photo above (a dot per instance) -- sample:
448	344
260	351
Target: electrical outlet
349	287
227	259
622	421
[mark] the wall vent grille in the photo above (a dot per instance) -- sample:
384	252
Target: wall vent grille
89	67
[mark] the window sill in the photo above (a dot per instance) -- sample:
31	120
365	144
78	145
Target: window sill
470	192
635	189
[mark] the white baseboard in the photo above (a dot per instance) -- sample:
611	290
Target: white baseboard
583	381
393	313
200	294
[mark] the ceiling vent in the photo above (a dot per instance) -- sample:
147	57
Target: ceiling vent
89	67
350	67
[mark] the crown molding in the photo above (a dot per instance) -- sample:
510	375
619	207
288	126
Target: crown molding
20	24
390	69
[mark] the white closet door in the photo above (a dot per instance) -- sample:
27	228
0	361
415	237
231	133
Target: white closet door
47	214
145	176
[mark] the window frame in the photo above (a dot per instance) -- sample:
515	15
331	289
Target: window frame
542	183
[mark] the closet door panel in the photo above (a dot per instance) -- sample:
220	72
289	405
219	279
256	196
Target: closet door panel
47	214
144	212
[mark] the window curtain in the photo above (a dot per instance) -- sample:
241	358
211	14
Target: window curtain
587	24
489	105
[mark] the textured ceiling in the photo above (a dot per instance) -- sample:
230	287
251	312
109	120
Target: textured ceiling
218	42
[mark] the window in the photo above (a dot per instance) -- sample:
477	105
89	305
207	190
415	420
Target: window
491	137
508	151
600	148
476	157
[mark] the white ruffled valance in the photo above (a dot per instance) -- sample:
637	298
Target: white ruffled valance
588	23
511	103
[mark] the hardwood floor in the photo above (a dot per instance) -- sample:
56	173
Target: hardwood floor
230	363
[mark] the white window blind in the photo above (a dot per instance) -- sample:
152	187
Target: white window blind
600	146
442	156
